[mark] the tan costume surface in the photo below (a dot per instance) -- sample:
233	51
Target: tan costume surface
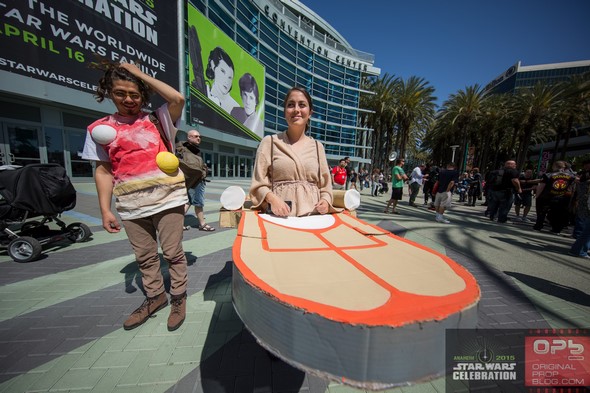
291	176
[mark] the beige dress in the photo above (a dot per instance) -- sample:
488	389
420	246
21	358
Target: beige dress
302	178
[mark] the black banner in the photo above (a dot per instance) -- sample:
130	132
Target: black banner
55	41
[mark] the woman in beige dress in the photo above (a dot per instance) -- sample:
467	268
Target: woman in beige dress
291	173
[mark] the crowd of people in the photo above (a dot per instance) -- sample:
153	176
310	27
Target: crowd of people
560	196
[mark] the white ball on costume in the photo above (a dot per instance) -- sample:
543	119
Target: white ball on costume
352	199
103	134
167	162
232	198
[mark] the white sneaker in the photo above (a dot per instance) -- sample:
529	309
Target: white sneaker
442	220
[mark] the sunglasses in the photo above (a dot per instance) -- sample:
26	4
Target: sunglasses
123	95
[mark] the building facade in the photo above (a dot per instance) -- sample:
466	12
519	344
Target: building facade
44	114
520	77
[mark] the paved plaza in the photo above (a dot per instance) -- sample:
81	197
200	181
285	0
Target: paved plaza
61	316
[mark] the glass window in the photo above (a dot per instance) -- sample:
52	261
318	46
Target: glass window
337	72
222	19
247	41
282	94
249	19
229	4
200	5
349	117
321	69
55	146
287	72
270	60
288	52
352	78
271	91
319	110
270	121
269	32
304	58
320	88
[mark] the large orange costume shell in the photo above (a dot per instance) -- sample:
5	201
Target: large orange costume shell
346	300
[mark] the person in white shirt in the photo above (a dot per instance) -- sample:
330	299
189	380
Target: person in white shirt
416	178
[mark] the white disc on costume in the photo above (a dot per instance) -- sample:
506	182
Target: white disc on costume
352	199
306	222
232	198
103	134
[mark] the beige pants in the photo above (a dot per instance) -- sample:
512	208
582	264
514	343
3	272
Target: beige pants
143	234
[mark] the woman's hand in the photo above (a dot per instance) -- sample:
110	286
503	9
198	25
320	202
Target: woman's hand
322	206
277	205
280	209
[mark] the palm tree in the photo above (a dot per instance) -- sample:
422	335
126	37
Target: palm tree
462	111
380	118
571	109
534	106
414	108
489	138
438	138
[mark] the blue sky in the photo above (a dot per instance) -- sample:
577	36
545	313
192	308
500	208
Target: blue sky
458	43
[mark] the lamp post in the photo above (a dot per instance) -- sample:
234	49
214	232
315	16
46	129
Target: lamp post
454	147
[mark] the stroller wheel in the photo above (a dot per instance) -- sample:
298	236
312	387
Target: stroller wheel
78	232
24	249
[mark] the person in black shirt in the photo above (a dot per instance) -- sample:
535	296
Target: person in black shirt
475	189
528	183
502	194
553	198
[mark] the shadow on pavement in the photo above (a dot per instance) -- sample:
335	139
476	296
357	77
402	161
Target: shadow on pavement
550	288
239	364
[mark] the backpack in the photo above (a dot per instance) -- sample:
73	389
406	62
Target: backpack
496	178
191	165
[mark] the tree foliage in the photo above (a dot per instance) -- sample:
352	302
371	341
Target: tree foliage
493	127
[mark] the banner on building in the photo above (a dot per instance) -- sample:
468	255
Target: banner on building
55	41
226	82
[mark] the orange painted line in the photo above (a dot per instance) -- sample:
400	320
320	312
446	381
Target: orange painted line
401	308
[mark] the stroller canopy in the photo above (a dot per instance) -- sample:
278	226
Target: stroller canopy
39	189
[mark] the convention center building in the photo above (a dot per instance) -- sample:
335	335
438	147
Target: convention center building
47	80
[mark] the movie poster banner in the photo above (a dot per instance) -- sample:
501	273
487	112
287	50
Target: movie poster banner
518	360
227	84
55	41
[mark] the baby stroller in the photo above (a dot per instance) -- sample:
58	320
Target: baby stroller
37	190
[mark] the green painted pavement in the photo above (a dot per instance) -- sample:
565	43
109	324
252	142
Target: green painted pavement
26	296
126	360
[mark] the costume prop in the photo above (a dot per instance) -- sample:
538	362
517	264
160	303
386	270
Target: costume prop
346	300
167	162
104	134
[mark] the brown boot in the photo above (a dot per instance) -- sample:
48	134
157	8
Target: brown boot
177	311
149	306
